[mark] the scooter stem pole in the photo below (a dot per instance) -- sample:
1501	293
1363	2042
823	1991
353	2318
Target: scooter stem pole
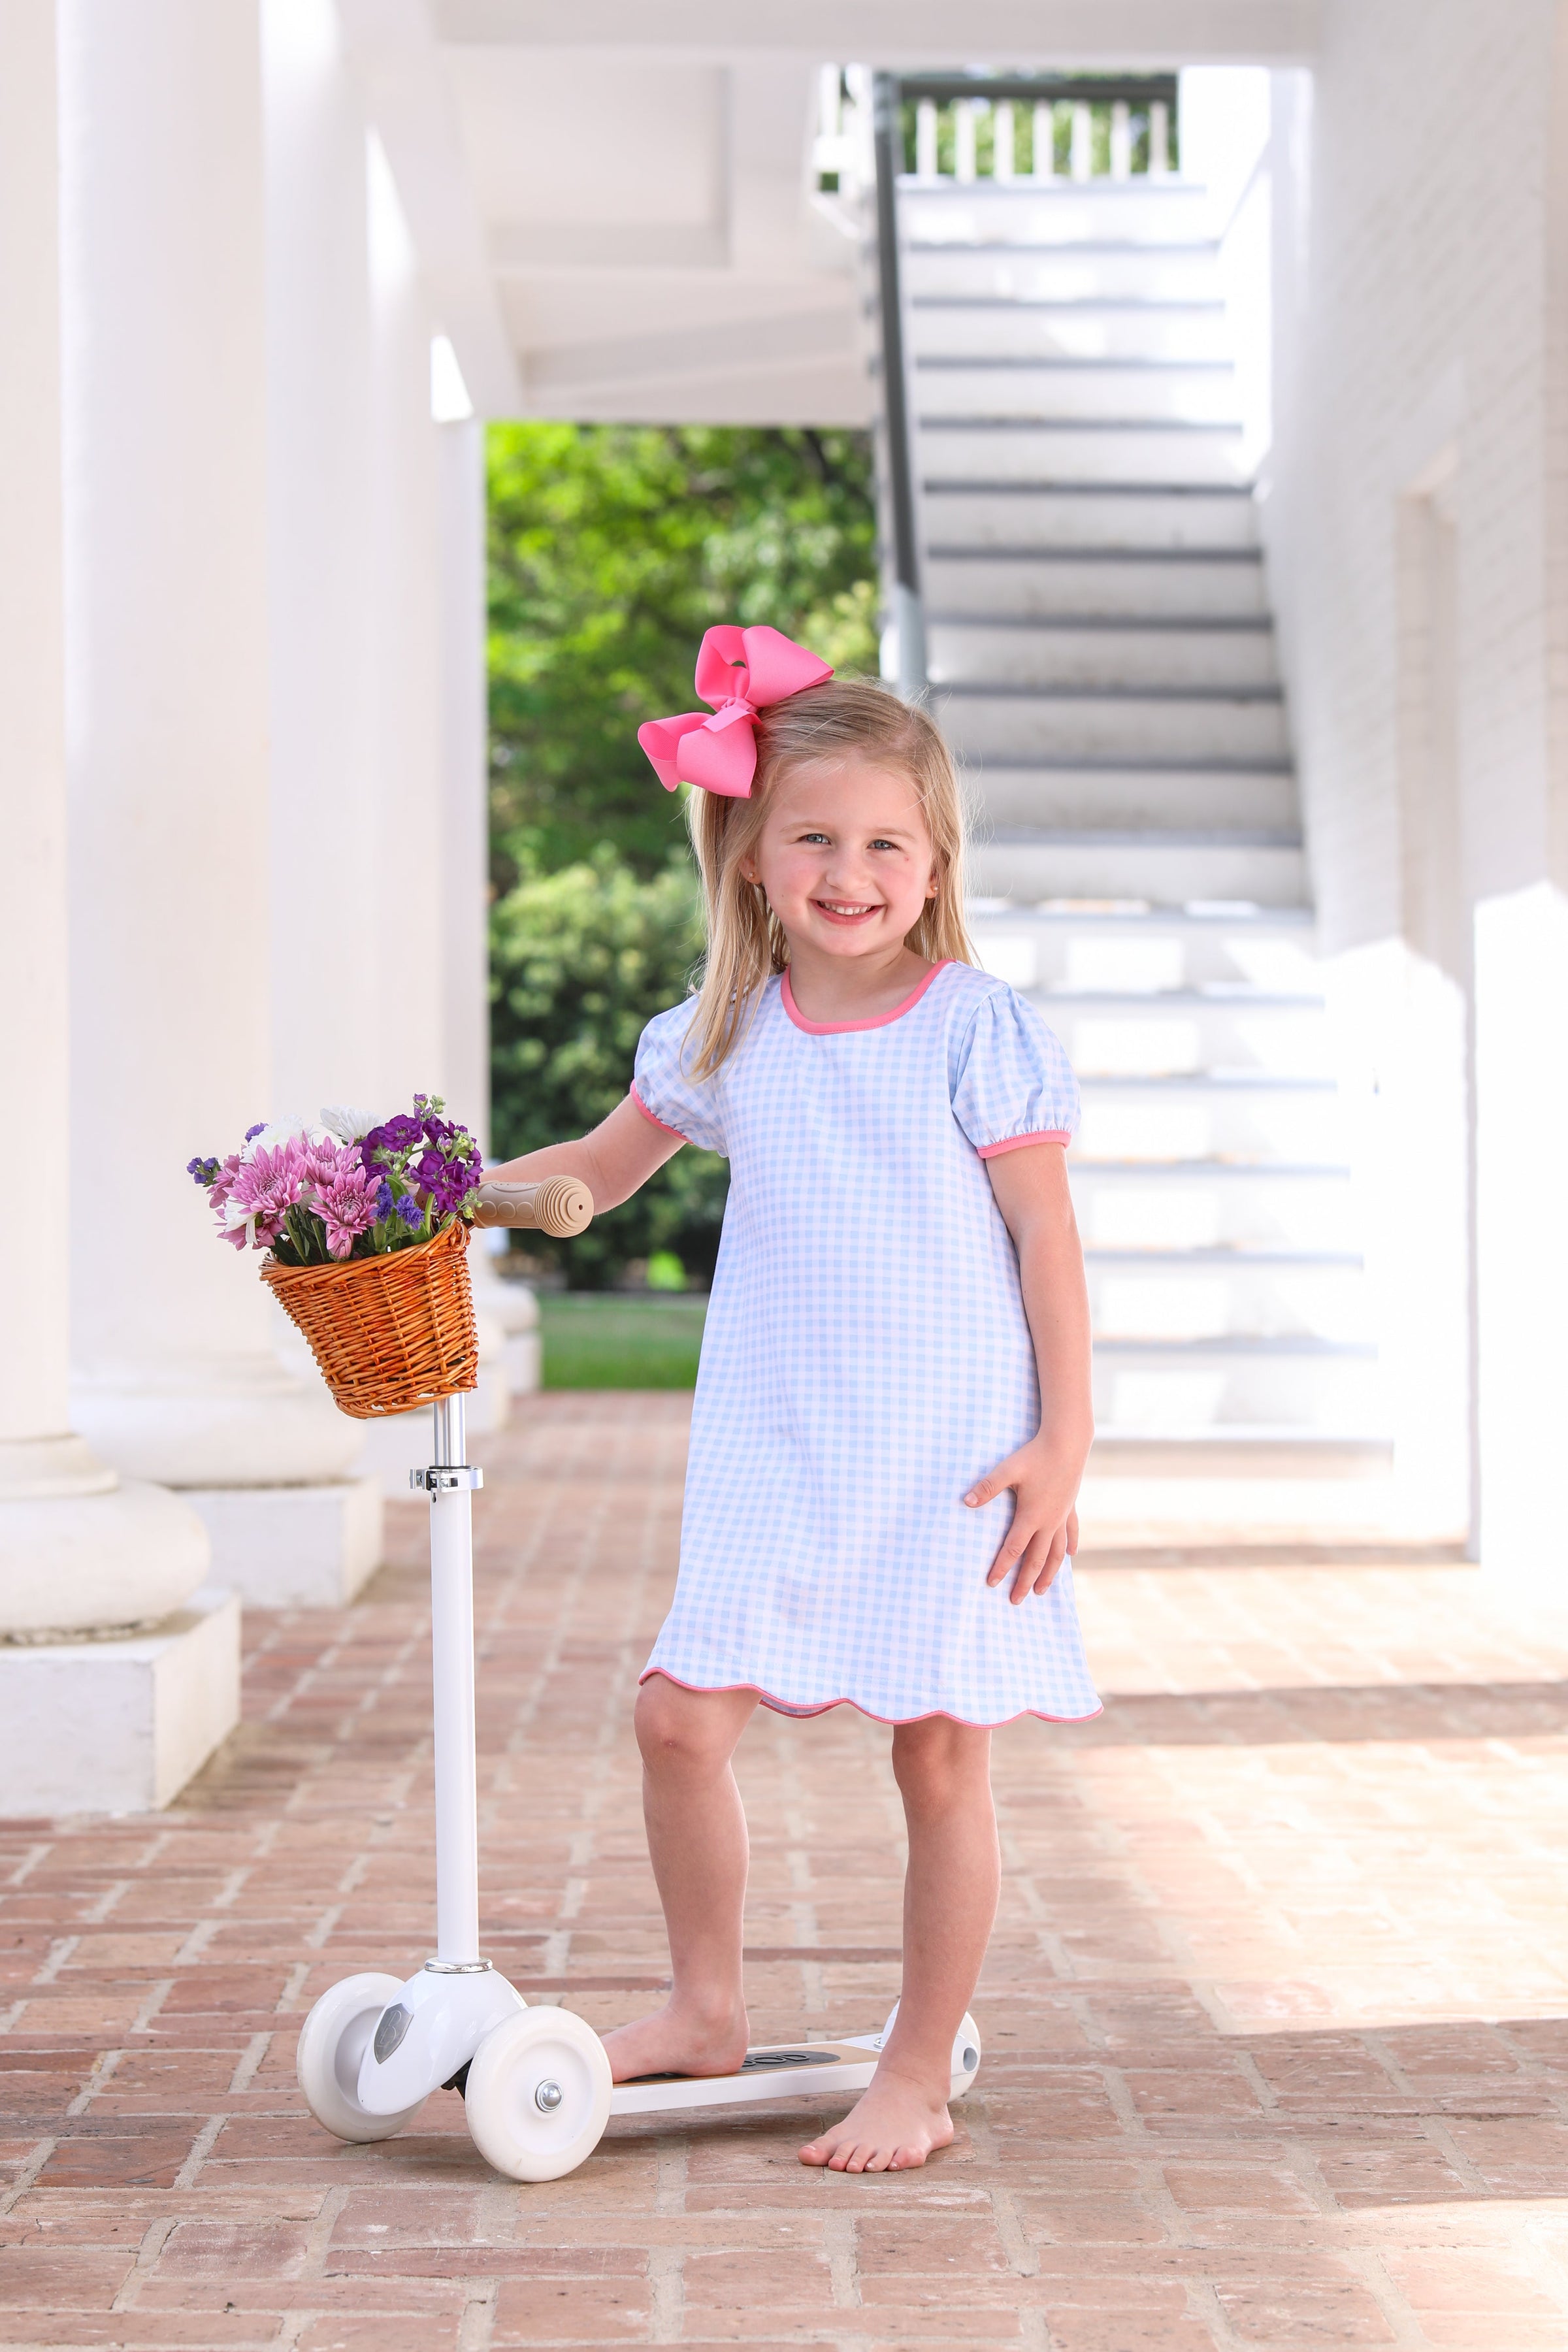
452	1659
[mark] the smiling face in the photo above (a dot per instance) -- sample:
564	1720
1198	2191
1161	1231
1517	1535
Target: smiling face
844	856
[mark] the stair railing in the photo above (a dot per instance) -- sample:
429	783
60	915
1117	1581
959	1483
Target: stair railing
908	614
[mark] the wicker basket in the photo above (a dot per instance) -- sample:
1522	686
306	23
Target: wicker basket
389	1333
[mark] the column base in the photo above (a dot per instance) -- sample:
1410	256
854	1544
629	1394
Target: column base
402	1442
118	1727
293	1546
524	1361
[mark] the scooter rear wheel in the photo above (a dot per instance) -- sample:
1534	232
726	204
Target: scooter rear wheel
538	2095
333	2040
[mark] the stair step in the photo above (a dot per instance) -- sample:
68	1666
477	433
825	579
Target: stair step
1230	1453
1057	516
1091	270
1095	583
1168	1388
1078	327
1267	869
1164	796
1185	1030
1060	723
1247	1117
1211	1203
1215	1294
1113	652
1151	391
1151	211
1001	450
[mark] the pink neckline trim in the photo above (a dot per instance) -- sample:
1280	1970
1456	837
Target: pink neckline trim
878	1021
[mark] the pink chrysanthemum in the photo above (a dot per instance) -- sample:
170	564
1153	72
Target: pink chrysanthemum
260	1193
346	1205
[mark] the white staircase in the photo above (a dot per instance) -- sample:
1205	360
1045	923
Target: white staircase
1103	657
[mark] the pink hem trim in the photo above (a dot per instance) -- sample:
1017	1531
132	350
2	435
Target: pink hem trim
783	1706
1016	1142
661	1124
840	1028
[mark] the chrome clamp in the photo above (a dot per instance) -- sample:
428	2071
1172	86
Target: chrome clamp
442	1479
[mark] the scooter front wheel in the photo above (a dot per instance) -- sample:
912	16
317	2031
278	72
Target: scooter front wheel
333	2040
538	2095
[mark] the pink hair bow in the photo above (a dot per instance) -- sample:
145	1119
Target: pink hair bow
741	672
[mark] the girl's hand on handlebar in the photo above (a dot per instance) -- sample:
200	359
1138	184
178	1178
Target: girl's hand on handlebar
1042	1476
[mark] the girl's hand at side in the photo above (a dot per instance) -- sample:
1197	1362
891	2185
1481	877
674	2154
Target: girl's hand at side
1044	1478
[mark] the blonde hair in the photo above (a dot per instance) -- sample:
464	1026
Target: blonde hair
745	939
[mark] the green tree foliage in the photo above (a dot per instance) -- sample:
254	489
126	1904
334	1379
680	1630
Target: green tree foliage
580	960
612	548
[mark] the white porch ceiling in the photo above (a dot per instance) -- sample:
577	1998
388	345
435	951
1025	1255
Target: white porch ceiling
617	225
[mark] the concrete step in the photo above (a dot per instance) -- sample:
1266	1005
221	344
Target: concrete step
1212	1203
1087	327
1063	724
1153	212
961	513
1211	1293
1001	450
1184	391
1090	271
1240	1115
1230	1453
1156	946
1103	651
1173	1388
1266	869
1095	583
1110	799
1188	1030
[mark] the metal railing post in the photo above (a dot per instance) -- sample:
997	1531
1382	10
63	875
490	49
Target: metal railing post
908	616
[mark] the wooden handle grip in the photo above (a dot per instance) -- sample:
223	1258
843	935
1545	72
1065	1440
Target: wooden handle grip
561	1205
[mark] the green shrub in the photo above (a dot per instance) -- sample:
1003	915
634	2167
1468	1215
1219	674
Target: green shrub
580	959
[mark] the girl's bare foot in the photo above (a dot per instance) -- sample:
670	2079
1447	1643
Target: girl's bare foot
679	2040
894	2126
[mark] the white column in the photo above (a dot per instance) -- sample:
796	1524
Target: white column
167	714
81	1724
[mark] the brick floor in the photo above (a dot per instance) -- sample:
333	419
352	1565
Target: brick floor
1276	2018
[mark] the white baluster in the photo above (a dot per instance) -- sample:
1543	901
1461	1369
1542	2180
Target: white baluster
1082	163
1121	141
1002	116
828	97
1159	139
925	138
963	115
1044	143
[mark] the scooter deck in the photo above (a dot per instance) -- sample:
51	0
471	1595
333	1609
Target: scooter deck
773	2070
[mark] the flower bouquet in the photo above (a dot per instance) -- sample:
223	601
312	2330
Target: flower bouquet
365	1225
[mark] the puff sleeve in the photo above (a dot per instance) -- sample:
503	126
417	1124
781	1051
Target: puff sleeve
1011	1081
665	1092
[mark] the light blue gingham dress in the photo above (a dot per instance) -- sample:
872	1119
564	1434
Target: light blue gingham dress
866	1359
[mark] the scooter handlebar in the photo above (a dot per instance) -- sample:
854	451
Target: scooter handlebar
561	1205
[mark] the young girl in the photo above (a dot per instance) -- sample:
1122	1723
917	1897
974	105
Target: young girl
897	1336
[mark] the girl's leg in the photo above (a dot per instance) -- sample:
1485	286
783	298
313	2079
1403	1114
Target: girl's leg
943	1771
697	1839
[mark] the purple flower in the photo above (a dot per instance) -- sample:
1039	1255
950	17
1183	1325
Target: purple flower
399	1134
204	1171
252	1132
409	1209
382	1200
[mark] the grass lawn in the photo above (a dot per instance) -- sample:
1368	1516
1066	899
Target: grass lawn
592	1341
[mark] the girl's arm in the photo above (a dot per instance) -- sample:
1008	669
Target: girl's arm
622	1152
1031	1188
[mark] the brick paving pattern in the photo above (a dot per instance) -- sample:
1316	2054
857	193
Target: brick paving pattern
1276	2018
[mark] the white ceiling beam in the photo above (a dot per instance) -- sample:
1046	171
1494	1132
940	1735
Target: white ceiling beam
393	49
909	33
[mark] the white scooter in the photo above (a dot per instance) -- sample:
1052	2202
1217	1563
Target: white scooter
535	2082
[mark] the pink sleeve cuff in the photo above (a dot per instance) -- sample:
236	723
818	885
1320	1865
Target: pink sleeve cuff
661	1124
1016	1142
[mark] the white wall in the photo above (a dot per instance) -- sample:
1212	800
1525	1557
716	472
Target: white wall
1411	571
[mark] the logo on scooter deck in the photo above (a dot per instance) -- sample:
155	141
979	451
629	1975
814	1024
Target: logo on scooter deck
754	2063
